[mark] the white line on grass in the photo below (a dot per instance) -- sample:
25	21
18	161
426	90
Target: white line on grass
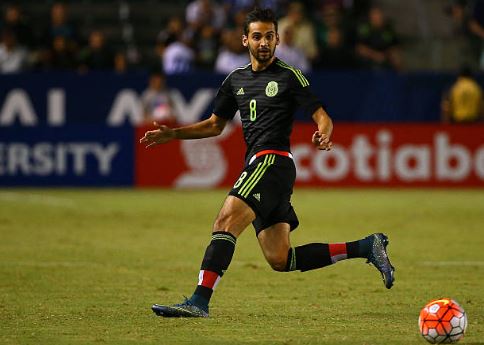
39	199
453	263
49	263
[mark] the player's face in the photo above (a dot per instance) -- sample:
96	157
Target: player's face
261	40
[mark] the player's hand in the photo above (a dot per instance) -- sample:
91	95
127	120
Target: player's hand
158	136
322	141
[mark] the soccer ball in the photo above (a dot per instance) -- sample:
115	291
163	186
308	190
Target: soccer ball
442	321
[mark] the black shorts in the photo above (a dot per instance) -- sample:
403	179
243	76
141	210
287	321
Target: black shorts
266	186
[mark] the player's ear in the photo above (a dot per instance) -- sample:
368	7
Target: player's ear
245	41
277	39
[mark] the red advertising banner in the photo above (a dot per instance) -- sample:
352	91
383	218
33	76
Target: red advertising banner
377	155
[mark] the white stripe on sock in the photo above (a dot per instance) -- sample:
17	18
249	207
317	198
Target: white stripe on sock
339	257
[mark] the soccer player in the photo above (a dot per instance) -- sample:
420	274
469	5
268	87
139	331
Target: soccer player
267	92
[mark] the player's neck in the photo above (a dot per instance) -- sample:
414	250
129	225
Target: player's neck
258	66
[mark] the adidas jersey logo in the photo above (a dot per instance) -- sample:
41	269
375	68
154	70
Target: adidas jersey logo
240	92
256	196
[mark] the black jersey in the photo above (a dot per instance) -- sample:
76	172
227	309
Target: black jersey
267	101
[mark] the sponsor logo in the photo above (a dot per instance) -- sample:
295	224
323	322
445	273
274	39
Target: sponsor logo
17	108
45	159
380	160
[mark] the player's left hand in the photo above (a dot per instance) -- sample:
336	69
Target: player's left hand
322	141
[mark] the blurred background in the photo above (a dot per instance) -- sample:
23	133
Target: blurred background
85	35
80	81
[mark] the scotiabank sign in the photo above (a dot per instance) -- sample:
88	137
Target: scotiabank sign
403	155
363	155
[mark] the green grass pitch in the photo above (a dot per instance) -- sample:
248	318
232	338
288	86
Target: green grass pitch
84	267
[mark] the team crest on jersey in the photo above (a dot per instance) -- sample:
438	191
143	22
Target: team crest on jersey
271	89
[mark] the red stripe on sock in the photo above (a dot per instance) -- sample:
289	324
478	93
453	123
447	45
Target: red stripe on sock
337	249
209	279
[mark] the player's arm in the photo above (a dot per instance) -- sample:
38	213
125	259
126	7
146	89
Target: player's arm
322	137
210	127
307	100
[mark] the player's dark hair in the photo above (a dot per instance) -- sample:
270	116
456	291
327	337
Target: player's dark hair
259	15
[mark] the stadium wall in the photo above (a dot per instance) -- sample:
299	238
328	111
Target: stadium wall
68	129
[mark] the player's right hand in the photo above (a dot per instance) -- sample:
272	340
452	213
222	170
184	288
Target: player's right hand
158	136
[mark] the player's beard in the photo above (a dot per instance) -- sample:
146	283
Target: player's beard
262	56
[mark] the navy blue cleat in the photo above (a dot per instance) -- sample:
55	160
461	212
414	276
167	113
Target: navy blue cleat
185	309
378	257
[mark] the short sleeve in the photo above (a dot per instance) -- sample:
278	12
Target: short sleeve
302	93
225	103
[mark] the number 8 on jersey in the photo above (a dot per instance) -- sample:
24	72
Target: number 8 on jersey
253	109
